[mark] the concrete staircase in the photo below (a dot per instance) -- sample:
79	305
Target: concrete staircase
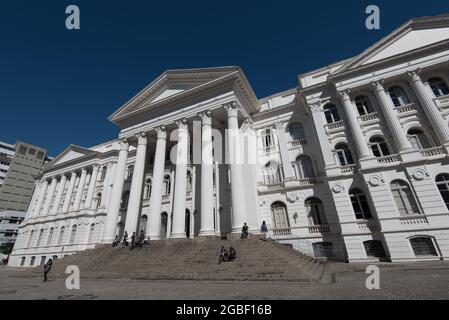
194	260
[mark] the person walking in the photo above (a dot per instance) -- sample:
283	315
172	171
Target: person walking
244	231
47	269
264	231
125	239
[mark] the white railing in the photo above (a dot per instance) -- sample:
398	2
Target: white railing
389	159
349	168
298	143
275	186
419	219
369	117
282	232
365	225
406	108
432	152
324	228
335	125
442	102
306	181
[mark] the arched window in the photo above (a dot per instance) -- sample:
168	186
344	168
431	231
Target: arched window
104	170
61	235
331	113
39	239
442	181
404	198
50	236
129	176
91	233
315	212
148	188
99	199
360	204
304	167
30	240
189	181
379	147
167	185
32	261
125	199
143	223
296	131
438	86
344	154
273	173
418	139
43	260
398	96
73	234
280	215
363	105
22	262
374	249
423	246
267	138
164	225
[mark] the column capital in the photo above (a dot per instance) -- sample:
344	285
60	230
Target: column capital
161	132
124	144
95	167
414	75
378	85
182	124
345	94
232	108
142	138
206	118
316	107
279	125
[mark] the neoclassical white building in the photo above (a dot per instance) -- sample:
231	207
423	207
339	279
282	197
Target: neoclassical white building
352	164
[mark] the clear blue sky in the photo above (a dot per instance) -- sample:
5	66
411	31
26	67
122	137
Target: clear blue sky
57	87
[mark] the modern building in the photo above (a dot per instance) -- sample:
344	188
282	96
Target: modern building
351	165
9	226
19	166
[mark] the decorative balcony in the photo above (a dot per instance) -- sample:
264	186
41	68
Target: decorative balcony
298	143
334	127
442	102
418	219
432	152
282	232
319	229
369	117
406	108
389	159
368	225
349	168
306	181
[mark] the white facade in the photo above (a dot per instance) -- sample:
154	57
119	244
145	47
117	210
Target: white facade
352	165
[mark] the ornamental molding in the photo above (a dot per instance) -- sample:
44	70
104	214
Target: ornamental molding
420	174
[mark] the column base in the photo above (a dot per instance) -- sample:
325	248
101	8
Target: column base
178	236
153	237
207	233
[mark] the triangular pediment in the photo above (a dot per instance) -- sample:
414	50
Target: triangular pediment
172	84
412	36
70	154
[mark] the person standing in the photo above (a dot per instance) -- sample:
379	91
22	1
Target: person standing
264	231
47	269
133	241
125	239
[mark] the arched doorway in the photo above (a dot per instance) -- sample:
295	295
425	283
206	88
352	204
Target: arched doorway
164	225
143	223
280	216
187	223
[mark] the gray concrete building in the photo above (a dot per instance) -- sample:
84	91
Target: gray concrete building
20	164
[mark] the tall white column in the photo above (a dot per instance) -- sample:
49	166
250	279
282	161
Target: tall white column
283	147
135	196
207	177
69	194
40	202
80	190
387	106
154	220
108	184
58	199
353	122
116	193
239	216
91	190
50	196
430	108
179	207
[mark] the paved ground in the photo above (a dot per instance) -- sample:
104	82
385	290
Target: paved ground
422	281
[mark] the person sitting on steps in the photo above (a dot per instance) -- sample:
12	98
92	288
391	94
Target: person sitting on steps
116	242
232	254
244	231
224	256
